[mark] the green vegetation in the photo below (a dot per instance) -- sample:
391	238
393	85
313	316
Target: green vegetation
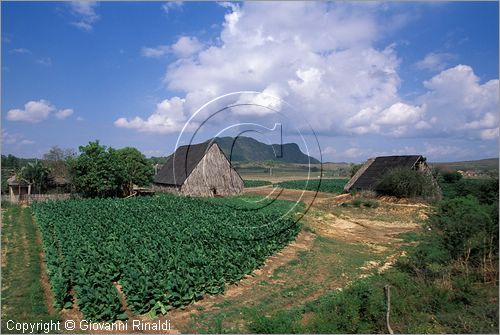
355	168
256	183
22	293
447	283
408	183
165	251
106	172
323	185
37	174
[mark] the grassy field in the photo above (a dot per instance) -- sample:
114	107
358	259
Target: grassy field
23	297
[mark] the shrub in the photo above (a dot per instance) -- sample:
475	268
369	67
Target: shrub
468	231
362	202
406	182
451	176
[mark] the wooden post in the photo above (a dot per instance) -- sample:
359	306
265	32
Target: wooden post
387	291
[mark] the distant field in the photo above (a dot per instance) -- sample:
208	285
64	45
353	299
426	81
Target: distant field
256	183
324	185
161	260
490	164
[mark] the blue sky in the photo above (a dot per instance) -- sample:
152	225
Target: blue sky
368	78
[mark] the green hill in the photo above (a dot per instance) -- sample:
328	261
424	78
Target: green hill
249	149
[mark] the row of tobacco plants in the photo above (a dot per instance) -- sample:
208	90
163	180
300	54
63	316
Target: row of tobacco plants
164	251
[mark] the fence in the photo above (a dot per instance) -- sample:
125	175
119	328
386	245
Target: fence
27	199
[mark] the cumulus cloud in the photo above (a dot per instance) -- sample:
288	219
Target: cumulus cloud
459	105
322	58
168	117
64	113
84	11
19	139
435	61
37	111
157	52
186	46
33	112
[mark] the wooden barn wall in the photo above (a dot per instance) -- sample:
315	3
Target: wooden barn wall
213	172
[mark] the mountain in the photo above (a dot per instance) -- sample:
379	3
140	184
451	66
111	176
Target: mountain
249	149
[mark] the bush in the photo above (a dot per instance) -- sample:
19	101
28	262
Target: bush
405	182
468	231
451	176
362	202
355	168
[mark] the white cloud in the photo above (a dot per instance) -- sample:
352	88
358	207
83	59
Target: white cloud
157	52
37	111
321	57
353	153
21	51
171	5
79	118
168	117
459	105
46	61
435	61
84	11
34	111
19	139
64	113
186	46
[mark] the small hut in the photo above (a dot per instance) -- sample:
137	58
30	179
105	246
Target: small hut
373	170
18	187
198	170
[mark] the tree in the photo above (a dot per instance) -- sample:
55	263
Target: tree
57	160
355	168
97	171
37	174
137	168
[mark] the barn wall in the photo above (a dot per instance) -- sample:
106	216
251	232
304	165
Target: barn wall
214	172
160	188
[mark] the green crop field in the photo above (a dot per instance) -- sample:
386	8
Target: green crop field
256	183
324	185
164	251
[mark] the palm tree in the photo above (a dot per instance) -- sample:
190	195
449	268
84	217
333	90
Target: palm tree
37	174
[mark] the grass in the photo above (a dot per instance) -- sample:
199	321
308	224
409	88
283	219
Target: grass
328	263
22	293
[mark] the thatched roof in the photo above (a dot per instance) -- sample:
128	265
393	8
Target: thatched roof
372	171
180	165
14	181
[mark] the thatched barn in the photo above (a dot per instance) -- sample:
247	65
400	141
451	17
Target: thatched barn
373	170
198	170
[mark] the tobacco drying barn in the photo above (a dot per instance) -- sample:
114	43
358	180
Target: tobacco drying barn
198	170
